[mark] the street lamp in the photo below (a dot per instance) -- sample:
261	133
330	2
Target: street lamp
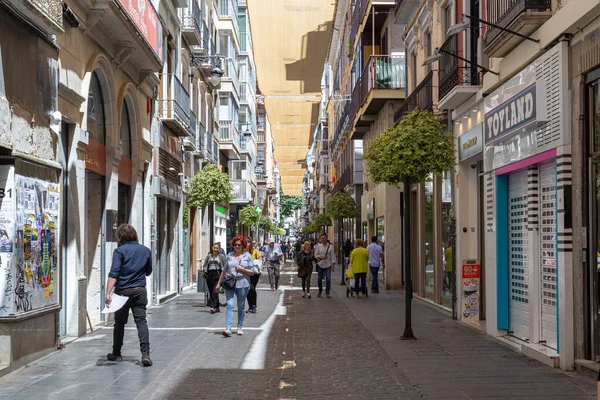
213	61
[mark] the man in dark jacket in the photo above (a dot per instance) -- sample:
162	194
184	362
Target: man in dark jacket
132	263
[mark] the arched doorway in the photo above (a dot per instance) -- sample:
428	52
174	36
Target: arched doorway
95	195
125	164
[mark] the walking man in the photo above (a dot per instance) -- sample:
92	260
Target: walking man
375	261
325	256
132	263
272	258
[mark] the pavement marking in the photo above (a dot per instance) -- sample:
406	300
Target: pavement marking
187	328
255	358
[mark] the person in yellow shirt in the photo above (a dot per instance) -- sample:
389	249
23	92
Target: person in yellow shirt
359	260
252	295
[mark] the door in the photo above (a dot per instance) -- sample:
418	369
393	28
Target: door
548	254
518	256
95	245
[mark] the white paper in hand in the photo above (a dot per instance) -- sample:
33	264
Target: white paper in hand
116	304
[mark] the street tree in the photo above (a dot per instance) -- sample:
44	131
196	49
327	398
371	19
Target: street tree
322	221
410	152
289	204
339	206
207	187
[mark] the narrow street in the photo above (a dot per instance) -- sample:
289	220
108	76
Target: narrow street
295	348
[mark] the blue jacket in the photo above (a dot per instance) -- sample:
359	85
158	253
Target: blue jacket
131	264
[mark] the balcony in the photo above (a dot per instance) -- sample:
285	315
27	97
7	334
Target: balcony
202	139
228	11
230	76
243	42
458	80
174	106
421	97
242	191
190	142
325	147
404	10
358	15
229	139
522	16
382	79
261	136
192	25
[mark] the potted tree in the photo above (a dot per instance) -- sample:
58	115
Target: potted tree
339	206
409	152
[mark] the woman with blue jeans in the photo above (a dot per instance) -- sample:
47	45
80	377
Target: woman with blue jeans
238	269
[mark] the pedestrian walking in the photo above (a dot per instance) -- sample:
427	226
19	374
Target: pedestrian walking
131	264
272	259
235	278
304	260
284	248
257	262
376	260
297	248
359	261
222	249
348	247
325	256
211	270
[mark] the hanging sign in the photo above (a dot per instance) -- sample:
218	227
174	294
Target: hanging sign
471	277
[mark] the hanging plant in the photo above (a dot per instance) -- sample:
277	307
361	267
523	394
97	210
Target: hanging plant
264	223
249	216
322	221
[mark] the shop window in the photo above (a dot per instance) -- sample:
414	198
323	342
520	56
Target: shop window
429	250
96	123
448	229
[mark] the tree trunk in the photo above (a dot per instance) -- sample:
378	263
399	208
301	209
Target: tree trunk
408	333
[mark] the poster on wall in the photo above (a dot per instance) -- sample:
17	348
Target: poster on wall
36	257
7	233
471	276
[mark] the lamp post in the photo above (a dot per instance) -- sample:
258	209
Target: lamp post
216	72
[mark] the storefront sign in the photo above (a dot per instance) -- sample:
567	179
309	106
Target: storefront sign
471	276
515	114
144	17
470	143
125	171
95	157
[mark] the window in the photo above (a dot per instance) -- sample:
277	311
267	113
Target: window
125	131
447	20
96	123
428	49
414	70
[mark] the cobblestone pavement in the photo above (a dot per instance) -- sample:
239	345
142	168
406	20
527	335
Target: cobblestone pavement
294	348
450	360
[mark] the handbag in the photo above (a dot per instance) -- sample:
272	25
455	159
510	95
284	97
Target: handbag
229	282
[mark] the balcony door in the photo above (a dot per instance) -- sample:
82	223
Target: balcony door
473	53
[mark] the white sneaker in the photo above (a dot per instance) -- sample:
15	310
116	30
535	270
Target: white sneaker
226	333
240	331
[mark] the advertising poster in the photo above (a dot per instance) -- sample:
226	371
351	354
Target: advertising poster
7	233
471	277
35	253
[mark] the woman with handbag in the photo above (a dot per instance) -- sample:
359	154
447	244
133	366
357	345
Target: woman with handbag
211	271
257	261
304	260
359	261
235	278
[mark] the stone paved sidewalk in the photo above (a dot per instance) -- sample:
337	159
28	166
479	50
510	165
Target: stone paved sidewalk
450	360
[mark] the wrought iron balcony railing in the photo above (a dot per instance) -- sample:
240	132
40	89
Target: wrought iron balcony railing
503	12
421	97
174	105
454	72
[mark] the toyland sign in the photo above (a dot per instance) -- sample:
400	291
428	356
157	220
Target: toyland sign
144	17
514	115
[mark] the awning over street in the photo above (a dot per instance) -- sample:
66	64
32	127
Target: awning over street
290	40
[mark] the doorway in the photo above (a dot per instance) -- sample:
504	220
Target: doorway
95	244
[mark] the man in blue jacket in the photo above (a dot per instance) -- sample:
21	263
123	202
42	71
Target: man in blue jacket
131	264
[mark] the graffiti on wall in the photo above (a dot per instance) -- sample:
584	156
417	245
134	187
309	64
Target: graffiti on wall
7	233
36	253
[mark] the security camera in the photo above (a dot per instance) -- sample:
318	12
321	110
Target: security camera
473	166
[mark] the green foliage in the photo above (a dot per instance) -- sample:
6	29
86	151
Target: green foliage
341	205
249	216
322	220
416	147
310	229
186	217
264	223
289	204
210	185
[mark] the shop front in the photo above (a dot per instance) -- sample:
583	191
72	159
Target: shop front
527	179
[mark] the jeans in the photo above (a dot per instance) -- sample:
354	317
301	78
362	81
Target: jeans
375	283
273	270
252	296
306	282
138	300
212	277
324	272
241	294
360	280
